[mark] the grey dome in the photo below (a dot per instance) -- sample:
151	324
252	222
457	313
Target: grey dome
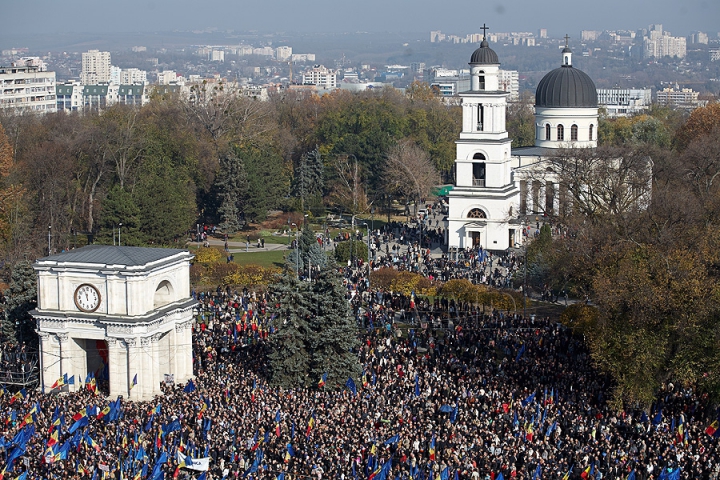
484	55
566	87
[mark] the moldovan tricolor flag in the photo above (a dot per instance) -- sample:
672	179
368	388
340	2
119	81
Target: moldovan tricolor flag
712	429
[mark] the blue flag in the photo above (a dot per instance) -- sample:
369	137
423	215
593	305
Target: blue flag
190	387
392	440
520	352
417	385
658	418
670	474
453	414
528	400
351	385
83	422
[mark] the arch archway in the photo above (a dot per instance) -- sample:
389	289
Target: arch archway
163	294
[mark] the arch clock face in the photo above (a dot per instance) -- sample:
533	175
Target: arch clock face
87	298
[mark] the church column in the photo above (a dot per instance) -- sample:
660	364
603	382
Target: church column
467	118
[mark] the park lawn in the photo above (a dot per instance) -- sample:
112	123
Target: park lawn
272	258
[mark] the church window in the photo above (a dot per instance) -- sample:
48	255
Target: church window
591	132
573	133
560	133
481	78
476	213
547	131
479	174
481	117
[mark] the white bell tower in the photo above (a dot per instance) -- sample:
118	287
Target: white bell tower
484	186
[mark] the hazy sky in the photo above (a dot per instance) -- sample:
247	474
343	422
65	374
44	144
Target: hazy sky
680	17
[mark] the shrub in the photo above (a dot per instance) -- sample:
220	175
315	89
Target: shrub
197	274
251	276
208	256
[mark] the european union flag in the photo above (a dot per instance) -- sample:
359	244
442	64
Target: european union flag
351	385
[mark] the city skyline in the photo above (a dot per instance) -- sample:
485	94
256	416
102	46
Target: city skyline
85	16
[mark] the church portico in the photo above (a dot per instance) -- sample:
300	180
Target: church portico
123	314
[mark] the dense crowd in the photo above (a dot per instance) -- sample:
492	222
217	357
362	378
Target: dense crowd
499	396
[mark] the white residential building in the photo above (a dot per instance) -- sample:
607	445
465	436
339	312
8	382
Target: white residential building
679	98
283	54
217	55
508	81
95	67
26	88
624	102
302	57
320	76
658	44
133	76
69	96
168	77
264	51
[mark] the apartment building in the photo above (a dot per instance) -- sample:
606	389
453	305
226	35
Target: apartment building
658	43
320	76
96	67
27	88
679	98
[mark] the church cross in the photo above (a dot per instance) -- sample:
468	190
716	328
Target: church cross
484	29
567	38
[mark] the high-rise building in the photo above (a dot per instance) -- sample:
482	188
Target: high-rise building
283	54
27	88
508	81
542	33
658	44
698	37
590	35
95	67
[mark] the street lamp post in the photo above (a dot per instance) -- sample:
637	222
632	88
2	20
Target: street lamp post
49	237
119	230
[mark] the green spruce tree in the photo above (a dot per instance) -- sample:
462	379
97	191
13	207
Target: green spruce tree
333	343
119	207
289	356
231	184
21	297
308	181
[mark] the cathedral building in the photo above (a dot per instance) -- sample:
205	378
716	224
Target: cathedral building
497	187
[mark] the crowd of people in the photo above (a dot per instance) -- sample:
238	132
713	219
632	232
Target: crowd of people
501	396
